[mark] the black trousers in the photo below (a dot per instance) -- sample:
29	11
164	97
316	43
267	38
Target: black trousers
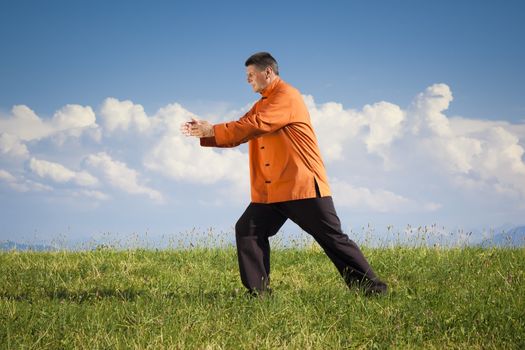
316	216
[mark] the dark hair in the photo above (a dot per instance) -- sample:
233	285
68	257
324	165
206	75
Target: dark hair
261	60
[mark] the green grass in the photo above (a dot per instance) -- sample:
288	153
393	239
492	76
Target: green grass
439	298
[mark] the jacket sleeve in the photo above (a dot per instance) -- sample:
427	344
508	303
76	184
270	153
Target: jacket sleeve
210	142
271	115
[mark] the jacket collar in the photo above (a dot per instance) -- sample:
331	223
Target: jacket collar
267	91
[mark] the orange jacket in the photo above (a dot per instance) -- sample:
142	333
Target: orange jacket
285	162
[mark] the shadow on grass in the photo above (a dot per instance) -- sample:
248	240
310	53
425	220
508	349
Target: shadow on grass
176	296
79	296
128	294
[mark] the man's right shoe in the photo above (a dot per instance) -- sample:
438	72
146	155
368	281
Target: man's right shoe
259	294
374	288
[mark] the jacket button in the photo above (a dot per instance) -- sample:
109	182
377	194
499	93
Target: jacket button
262	147
267	164
268	182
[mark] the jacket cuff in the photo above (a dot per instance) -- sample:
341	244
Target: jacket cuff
208	142
219	130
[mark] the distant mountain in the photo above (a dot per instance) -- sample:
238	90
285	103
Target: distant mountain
10	245
514	237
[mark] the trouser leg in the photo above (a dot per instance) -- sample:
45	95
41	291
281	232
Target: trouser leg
254	227
317	216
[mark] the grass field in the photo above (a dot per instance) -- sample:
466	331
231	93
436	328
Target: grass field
193	299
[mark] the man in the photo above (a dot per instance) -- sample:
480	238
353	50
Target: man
288	180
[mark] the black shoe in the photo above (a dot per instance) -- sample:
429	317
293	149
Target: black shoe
260	294
375	288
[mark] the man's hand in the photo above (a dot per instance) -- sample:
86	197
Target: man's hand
197	128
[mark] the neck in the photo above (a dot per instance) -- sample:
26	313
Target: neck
270	80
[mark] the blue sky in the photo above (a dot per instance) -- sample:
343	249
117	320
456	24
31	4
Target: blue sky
419	107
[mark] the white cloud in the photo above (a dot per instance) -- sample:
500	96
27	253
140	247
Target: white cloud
168	119
183	159
120	176
485	153
476	127
452	154
71	120
10	145
6	176
426	111
171	154
123	115
501	159
59	173
468	153
377	200
98	195
25	124
22	185
384	121
333	125
376	125
387	158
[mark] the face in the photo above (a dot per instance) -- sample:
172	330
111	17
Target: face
256	78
